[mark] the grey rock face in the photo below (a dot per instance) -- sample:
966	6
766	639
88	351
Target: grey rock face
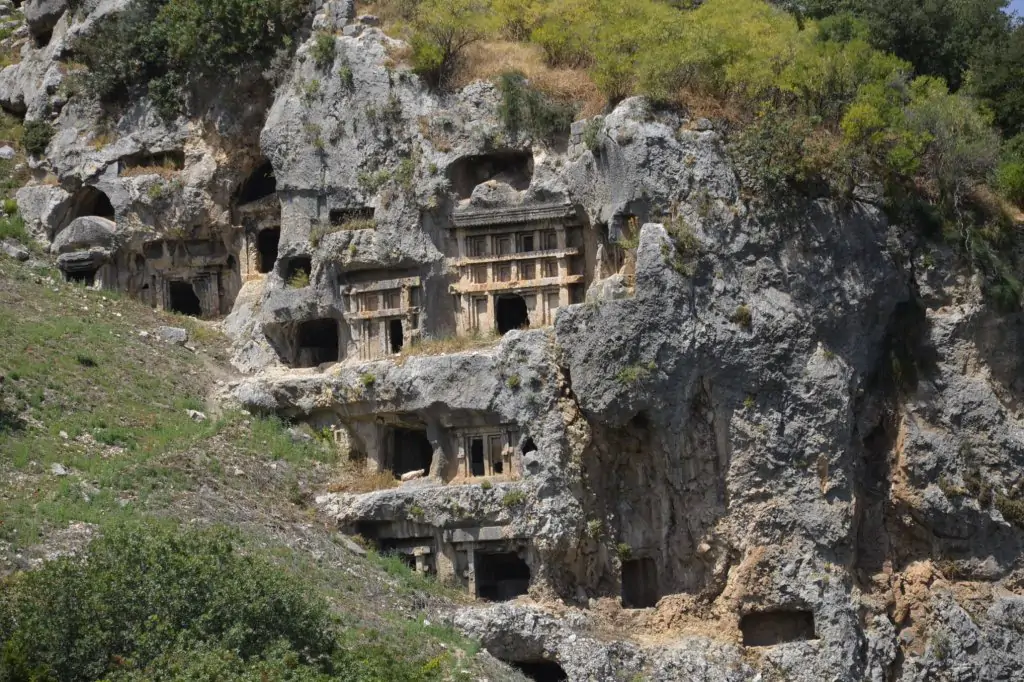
15	250
769	440
173	335
42	15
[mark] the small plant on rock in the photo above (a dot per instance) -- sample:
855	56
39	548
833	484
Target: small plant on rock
324	49
592	135
36	137
486	484
513	382
367	379
513	498
300	280
624	551
743	317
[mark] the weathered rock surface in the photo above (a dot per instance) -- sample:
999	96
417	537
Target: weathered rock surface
802	433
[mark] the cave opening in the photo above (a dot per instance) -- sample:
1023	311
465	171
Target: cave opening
260	183
396	336
769	628
528	446
183	299
411	451
318	342
267	242
511	313
540	671
514	168
501	576
639	583
91	201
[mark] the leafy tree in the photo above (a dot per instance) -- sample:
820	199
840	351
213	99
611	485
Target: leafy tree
161	47
997	77
441	30
36	137
140	594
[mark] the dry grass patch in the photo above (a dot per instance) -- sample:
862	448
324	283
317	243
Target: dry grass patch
451	344
166	170
366	481
488	60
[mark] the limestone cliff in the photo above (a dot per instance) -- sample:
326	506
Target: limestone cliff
720	436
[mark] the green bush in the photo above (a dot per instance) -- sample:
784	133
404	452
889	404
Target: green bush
161	47
525	109
440	32
36	137
147	601
324	49
1010	172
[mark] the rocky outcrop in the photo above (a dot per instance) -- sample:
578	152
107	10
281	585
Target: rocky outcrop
737	437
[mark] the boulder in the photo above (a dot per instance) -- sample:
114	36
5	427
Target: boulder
42	15
172	335
84	233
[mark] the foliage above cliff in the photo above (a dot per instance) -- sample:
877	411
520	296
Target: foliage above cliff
811	99
166	47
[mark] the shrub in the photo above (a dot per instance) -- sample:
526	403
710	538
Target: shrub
160	47
299	280
743	317
36	137
486	484
441	30
324	49
1011	509
624	551
524	108
147	600
367	380
513	498
592	135
513	381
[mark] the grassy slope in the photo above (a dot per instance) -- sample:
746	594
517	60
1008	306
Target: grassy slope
85	392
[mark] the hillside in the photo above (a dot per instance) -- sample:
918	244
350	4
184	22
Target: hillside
96	436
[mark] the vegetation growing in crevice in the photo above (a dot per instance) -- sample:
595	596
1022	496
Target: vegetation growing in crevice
526	109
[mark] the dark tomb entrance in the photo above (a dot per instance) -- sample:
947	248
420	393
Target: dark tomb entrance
396	337
85	277
183	299
260	183
501	577
769	628
639	583
476	457
318	342
266	245
412	452
512	313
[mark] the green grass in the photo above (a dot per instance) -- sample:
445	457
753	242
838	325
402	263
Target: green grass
74	362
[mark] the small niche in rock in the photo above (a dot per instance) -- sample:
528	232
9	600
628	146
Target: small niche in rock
768	628
260	183
173	160
501	576
512	313
528	446
412	451
43	39
84	277
514	168
318	342
183	298
639	583
541	671
266	246
297	270
340	216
